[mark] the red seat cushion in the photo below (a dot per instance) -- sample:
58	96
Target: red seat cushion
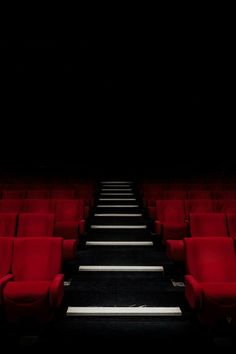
222	293
25	292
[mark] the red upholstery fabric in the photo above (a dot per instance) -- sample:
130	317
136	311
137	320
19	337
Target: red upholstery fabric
11	205
226	205
38	194
170	219
214	225
175	250
35	225
199	194
37	288
69	249
69	214
224	194
62	194
43	253
231	218
172	194
7	224
13	194
6	249
38	206
211	280
69	210
198	206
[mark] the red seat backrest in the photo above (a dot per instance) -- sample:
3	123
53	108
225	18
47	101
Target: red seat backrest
211	259
35	225
37	258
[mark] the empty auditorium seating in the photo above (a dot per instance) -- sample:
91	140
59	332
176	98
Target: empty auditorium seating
211	278
36	289
42	225
201	225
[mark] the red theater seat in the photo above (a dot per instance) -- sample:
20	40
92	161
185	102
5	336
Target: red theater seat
211	278
36	290
201	225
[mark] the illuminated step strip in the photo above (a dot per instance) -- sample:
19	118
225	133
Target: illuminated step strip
123	311
117	189
101	268
128	215
116	193
115	199
119	243
117	206
116	182
114	227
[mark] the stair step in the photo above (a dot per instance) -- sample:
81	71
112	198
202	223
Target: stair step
119	243
116	189
117	206
124	311
116	199
114	268
115	215
132	227
116	182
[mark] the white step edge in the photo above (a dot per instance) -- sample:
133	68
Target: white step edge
116	182
124	311
101	268
116	199
117	189
117	186
132	227
117	206
119	243
126	214
116	193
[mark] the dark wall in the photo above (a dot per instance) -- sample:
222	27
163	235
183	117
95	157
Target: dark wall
114	103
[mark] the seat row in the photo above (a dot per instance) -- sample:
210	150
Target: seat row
73	212
170	213
31	280
149	200
40	225
201	225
